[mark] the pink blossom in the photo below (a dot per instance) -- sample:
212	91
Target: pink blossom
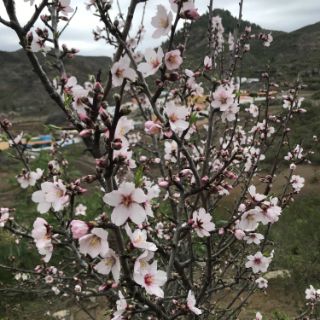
123	127
207	63
262	283
186	5
38	44
191	303
4	217
254	195
258	262
121	70
142	261
42	237
191	14
139	239
125	157
64	7
29	178
173	59
239	234
80	210
109	263
177	116
78	228
253	110
269	211
249	220
202	223
170	150
223	98
297	182
127	202
253	238
230	113
151	279
312	294
258	316
162	22
94	243
151	127
121	307
153	62
52	194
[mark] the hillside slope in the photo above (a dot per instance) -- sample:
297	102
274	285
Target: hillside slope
290	54
21	90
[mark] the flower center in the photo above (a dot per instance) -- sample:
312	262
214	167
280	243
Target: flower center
199	223
257	261
148	279
172	59
164	23
119	73
155	63
110	261
94	241
173	118
223	100
127	200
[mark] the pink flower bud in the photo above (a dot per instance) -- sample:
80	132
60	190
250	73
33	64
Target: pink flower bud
293	166
152	127
239	234
86	133
143	158
163	184
221	232
168	134
83	117
116	144
190	222
186	173
98	87
205	179
191	14
78	228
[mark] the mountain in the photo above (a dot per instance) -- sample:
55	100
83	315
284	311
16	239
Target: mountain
290	54
21	90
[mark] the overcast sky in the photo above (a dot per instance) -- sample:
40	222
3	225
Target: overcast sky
285	15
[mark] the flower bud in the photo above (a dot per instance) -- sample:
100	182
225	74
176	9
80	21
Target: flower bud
78	228
86	133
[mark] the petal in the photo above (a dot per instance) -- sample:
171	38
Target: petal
101	233
113	198
102	267
137	214
120	215
139	196
38	196
155	290
43	207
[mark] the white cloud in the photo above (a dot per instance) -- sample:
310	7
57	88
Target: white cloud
267	13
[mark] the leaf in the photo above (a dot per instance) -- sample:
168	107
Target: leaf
138	177
221	223
193	118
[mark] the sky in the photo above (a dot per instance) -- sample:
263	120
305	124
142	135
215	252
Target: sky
284	15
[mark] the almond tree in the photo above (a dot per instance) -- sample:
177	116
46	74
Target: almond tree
187	208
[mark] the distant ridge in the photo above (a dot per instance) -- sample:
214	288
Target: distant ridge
290	54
